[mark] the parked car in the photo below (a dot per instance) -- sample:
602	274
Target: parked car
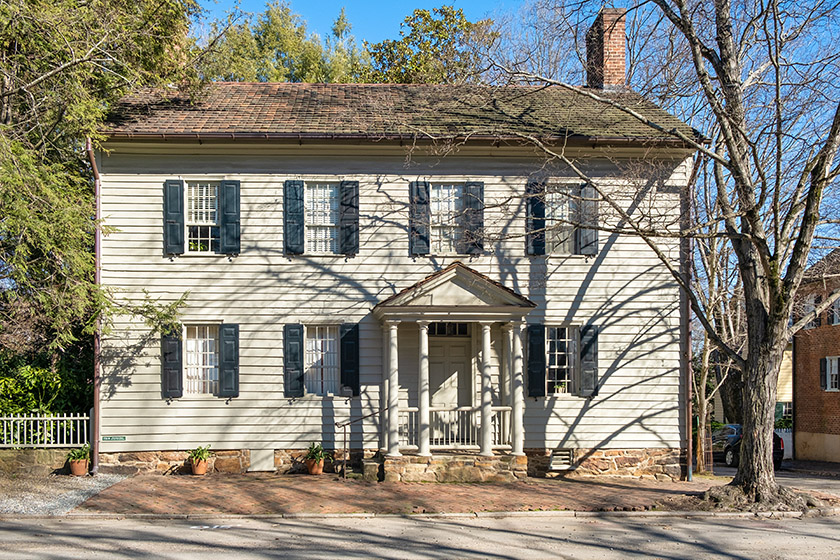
726	443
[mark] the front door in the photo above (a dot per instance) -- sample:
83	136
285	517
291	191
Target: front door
449	372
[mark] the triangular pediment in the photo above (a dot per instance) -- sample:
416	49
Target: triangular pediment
457	286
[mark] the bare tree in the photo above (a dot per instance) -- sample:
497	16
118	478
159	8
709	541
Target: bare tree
759	78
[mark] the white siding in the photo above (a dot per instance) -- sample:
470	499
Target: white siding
624	290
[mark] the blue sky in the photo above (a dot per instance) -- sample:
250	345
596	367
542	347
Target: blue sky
371	20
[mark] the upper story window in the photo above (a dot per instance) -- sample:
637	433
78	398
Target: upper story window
808	306
201	359
321	217
831	381
834	313
560	216
447	207
322	374
202	217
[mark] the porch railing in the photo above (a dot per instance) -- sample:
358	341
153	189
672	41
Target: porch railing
454	428
35	430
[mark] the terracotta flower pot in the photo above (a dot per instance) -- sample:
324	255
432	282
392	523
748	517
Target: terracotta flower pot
198	467
79	468
314	467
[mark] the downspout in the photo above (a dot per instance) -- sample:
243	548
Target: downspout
685	319
97	276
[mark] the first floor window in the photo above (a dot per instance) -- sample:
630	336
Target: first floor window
321	217
561	359
832	373
202	217
321	375
560	213
446	208
201	359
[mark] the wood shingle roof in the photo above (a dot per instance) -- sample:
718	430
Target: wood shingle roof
387	111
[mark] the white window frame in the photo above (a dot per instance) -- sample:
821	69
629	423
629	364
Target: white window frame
321	377
190	222
555	193
314	221
201	375
572	366
446	230
808	305
832	374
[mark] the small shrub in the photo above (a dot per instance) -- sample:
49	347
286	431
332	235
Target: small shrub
79	454
200	454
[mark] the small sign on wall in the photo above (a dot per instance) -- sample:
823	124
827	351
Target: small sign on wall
113	438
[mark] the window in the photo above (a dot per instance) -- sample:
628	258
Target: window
321	376
560	363
321	217
202	217
808	306
447	206
832	371
449	329
201	360
560	215
834	313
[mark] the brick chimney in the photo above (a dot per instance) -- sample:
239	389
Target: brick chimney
605	45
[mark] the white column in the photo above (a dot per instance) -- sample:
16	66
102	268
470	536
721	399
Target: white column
424	419
486	393
505	381
384	393
393	390
517	391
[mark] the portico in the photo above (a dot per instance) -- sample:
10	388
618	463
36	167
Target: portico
468	392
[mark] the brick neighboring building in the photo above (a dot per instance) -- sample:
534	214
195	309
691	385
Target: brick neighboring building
816	356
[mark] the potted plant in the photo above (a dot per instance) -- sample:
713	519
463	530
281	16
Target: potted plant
315	457
198	459
78	459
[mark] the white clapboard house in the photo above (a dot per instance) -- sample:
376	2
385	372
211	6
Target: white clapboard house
400	257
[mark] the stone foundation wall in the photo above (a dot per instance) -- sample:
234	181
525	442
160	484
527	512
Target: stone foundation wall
33	461
286	461
454	468
661	464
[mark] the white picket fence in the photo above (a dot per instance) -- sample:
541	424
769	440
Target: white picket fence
35	430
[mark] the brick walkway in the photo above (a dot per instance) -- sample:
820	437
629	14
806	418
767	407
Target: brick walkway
264	493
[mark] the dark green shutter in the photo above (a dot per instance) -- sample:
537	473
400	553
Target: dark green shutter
586	235
588	361
473	219
229	360
173	217
536	360
348	218
229	220
823	374
350	356
293	230
293	360
535	218
172	362
419	218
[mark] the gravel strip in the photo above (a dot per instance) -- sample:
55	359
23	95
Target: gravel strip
50	495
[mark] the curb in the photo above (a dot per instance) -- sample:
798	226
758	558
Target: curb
823	512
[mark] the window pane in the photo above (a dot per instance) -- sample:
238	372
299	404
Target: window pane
558	360
560	210
201	359
202	228
446	205
322	372
321	217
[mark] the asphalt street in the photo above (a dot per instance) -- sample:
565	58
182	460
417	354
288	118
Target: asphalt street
400	537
